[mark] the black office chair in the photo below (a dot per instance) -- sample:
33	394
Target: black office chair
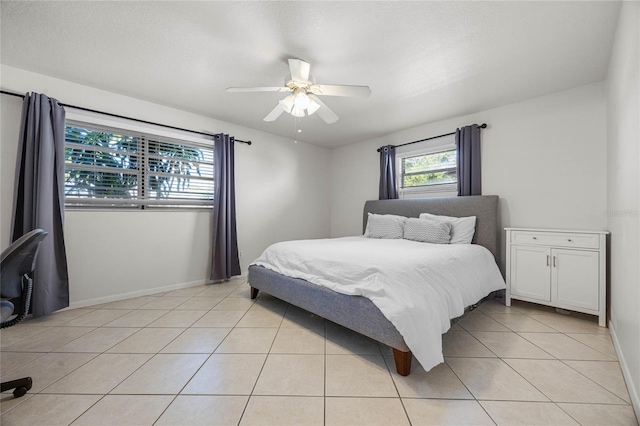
18	262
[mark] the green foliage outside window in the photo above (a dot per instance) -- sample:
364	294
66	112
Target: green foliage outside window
102	178
181	162
102	164
430	169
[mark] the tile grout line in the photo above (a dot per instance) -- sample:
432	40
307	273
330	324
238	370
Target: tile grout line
519	333
324	390
4	349
537	346
460	380
263	363
28	362
488	414
89	408
195	372
395	385
203	363
528	317
568	414
593	381
589	346
493	352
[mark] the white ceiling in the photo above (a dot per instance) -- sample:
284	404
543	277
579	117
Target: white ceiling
424	61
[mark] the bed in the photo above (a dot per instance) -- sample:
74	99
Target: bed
360	313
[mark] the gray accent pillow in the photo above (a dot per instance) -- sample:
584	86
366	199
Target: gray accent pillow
462	228
387	226
427	231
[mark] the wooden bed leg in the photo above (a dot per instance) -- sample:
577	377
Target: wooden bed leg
254	292
403	362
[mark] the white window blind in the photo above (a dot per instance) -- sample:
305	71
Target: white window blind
122	168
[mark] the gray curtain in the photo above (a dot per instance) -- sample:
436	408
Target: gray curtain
387	189
38	200
468	167
225	262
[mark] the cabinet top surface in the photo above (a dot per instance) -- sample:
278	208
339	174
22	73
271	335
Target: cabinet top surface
573	231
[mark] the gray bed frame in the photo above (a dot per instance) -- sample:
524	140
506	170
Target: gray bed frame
359	313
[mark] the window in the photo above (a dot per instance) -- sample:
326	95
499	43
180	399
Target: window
429	170
107	166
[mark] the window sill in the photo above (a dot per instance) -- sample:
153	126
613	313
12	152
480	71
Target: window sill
135	209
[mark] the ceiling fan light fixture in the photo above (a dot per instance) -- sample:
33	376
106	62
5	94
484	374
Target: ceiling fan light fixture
297	112
301	99
287	103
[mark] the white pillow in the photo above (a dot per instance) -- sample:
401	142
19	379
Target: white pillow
462	228
427	231
387	226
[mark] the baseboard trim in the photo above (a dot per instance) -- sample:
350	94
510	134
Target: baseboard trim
138	293
631	385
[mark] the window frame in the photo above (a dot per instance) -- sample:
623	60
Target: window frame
142	202
433	146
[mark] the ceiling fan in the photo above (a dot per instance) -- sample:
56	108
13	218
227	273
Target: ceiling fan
304	93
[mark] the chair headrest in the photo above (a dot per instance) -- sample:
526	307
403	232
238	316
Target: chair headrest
18	259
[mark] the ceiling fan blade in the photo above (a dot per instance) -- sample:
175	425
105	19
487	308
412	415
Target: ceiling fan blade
324	112
274	114
258	89
337	90
299	70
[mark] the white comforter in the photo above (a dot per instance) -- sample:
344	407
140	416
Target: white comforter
419	287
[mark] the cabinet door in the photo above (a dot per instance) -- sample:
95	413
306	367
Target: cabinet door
575	277
530	275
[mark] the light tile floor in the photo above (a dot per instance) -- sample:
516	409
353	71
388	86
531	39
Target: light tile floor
210	355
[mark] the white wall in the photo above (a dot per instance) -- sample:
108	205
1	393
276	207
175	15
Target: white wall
282	193
544	157
623	194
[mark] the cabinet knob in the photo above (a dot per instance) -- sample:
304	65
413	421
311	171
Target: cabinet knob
569	240
535	238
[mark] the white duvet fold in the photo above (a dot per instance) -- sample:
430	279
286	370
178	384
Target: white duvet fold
417	286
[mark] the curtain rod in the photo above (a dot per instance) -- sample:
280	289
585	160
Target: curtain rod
126	118
481	126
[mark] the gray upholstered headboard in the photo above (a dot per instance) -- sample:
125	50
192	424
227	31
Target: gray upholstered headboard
484	207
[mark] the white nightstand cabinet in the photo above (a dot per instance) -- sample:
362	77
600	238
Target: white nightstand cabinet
564	269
